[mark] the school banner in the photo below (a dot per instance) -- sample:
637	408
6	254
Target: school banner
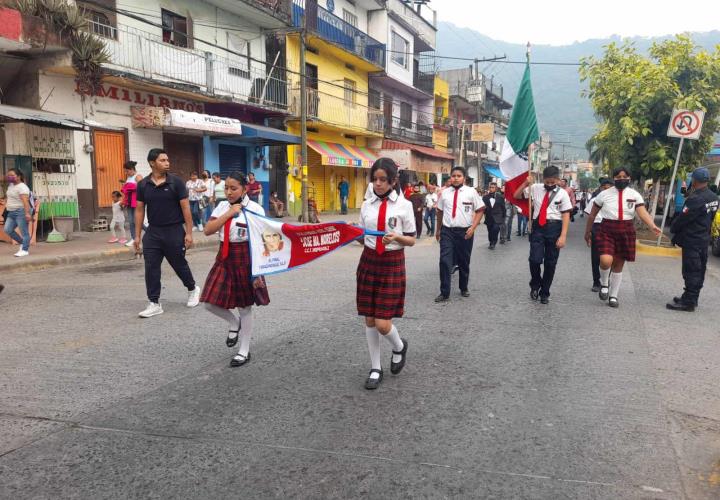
276	246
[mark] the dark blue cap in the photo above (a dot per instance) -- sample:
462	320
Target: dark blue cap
701	174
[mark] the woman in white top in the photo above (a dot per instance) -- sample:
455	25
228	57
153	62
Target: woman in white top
207	195
196	189
615	239
19	213
229	283
381	270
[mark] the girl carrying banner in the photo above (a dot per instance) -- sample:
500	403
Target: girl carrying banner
615	238
381	271
229	284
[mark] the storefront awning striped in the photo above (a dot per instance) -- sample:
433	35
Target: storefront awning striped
342	155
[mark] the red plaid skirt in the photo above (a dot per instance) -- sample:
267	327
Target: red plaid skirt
229	282
616	238
381	284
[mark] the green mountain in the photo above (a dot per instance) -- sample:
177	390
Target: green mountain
561	109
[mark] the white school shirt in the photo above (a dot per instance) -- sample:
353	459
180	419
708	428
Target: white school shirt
468	203
431	200
399	218
588	209
238	230
559	204
608	203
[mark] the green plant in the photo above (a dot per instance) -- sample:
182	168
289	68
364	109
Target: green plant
69	22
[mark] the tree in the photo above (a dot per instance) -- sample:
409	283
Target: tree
633	96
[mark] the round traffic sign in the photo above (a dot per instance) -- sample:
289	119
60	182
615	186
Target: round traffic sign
686	123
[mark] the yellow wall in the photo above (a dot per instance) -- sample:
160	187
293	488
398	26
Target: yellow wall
440	139
442	95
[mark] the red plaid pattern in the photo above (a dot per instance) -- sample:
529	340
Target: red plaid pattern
229	282
381	284
616	238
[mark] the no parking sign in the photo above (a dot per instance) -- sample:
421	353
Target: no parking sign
686	124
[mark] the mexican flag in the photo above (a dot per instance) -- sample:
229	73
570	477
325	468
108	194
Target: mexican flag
522	132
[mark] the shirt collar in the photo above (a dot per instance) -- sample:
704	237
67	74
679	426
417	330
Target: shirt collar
393	196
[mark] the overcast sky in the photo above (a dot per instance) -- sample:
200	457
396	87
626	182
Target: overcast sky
560	22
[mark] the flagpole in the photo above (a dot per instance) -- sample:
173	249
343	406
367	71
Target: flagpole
530	201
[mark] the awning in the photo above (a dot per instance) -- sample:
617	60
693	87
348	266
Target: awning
419	149
494	171
342	155
37	117
267	136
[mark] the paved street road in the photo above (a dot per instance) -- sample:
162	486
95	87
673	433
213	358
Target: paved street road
501	398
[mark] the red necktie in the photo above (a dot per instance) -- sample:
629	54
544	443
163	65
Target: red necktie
620	207
226	239
457	190
379	245
542	216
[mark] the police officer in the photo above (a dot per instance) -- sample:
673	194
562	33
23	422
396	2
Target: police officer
691	231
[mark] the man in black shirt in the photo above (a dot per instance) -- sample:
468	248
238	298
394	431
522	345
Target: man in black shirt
494	214
691	231
166	199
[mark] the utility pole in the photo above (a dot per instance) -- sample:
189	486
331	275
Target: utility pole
303	128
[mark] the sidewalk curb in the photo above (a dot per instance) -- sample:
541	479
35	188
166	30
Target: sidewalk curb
646	249
87	258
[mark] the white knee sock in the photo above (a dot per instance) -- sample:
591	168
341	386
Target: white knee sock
225	314
615	281
396	342
246	322
373	340
604	276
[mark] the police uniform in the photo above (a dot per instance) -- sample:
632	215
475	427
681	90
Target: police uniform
616	235
458	206
691	231
543	238
165	235
381	270
229	282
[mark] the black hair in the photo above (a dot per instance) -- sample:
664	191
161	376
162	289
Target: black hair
388	166
713	188
459	169
116	193
154	153
551	172
238	176
129	165
11	170
492	184
617	170
214	174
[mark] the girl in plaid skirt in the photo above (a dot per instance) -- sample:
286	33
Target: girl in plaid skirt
381	271
615	239
229	283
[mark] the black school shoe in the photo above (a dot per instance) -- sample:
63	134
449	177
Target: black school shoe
373	383
239	360
441	298
596	287
396	368
544	300
534	293
465	293
680	306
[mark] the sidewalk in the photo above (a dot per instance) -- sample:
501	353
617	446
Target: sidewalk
92	248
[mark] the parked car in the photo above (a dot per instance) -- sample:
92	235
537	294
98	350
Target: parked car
715	234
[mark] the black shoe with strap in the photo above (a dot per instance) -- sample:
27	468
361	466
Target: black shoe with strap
396	368
239	360
373	383
232	340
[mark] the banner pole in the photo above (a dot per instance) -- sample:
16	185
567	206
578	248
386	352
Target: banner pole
670	190
530	169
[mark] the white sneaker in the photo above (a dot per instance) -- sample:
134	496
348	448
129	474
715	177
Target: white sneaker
153	309
22	253
194	297
200	228
130	243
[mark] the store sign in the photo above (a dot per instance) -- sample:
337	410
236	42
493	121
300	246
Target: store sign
482	132
199	121
49	186
139	97
52	143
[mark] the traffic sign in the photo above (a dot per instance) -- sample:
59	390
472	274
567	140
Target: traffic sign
686	124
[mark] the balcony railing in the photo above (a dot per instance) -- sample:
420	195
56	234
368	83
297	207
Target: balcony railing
397	128
423	26
424	81
146	55
279	8
338	111
335	30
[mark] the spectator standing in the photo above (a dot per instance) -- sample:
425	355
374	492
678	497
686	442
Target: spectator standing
571	194
195	188
431	199
207	196
277	206
19	212
169	231
509	216
418	203
129	192
218	194
254	188
344	192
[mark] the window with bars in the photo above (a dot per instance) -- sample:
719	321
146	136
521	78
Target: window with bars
399	50
175	28
374	99
101	25
405	115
